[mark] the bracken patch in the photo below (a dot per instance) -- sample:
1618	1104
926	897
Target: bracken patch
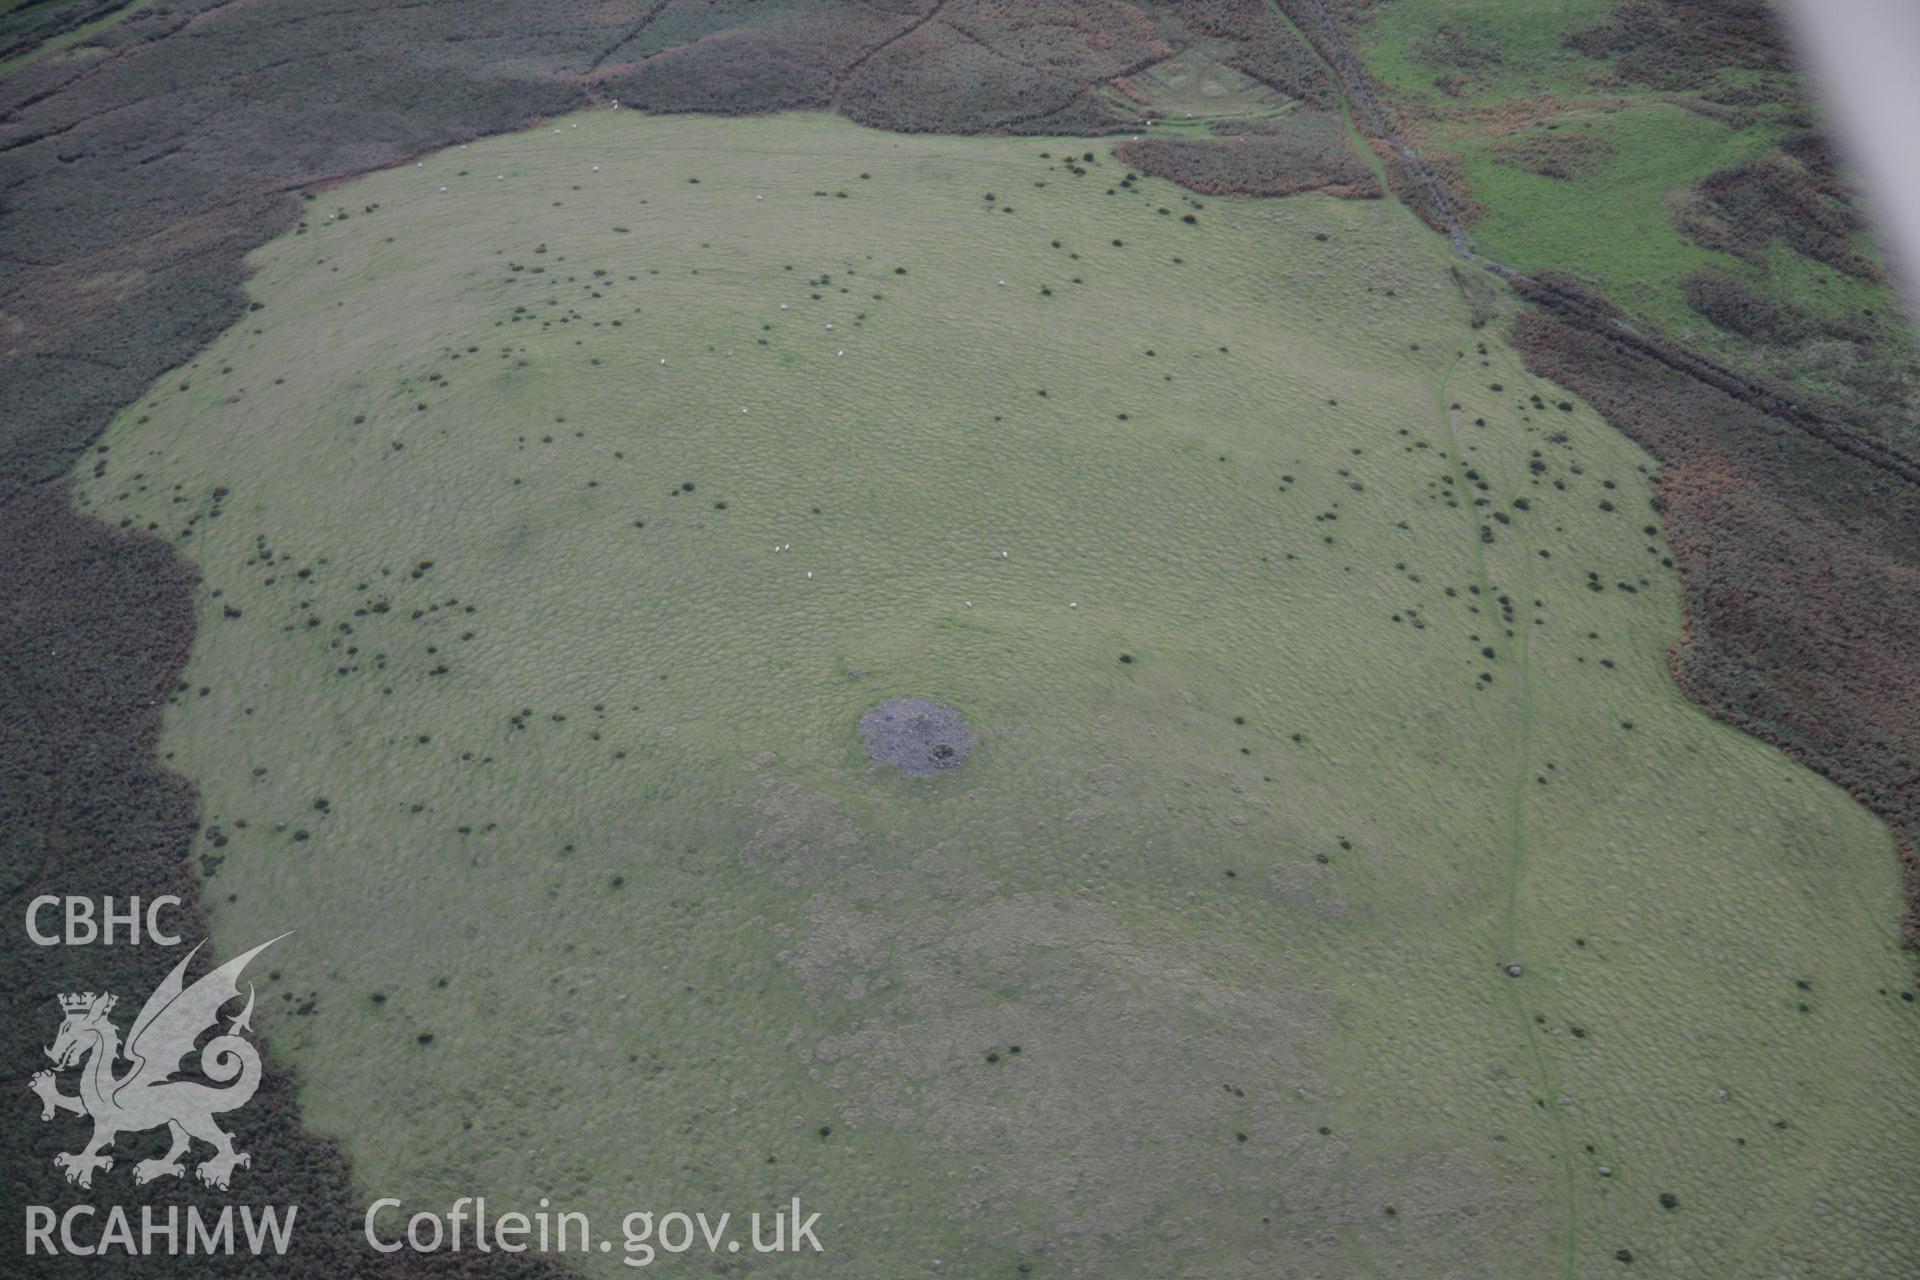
1799	545
1306	151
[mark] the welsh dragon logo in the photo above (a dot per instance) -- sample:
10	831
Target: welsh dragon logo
147	1095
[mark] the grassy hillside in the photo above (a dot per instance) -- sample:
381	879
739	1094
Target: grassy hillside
571	494
1646	151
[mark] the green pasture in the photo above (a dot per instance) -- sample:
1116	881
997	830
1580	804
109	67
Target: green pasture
1500	49
1614	223
569	496
1477	76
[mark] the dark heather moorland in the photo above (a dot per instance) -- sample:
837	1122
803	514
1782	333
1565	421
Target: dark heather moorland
140	165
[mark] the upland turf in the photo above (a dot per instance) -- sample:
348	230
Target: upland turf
144	150
1643	169
1315	650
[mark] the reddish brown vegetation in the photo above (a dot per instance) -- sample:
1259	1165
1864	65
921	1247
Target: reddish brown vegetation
170	145
153	160
1744	209
1732	117
1733	307
1435	187
1030	67
173	142
25	26
782	65
1467	56
1681	44
1449	46
94	627
935	76
1552	155
1798	533
1266	49
1799	545
1431	183
1306	151
1086	40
